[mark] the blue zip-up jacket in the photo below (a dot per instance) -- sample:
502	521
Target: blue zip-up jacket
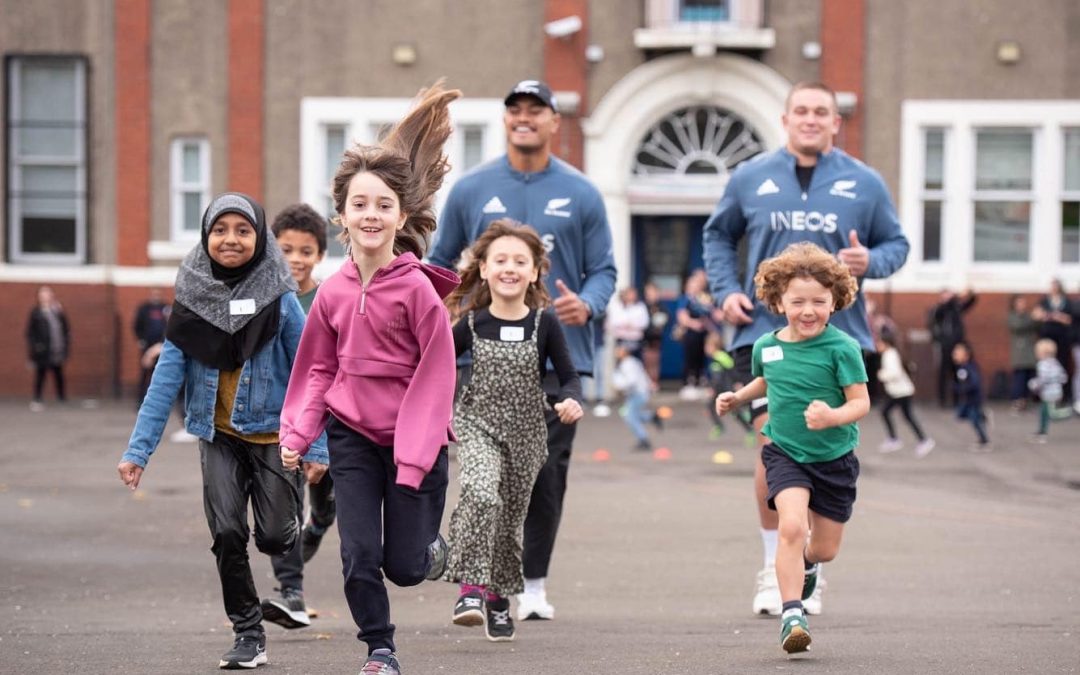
259	395
563	206
764	202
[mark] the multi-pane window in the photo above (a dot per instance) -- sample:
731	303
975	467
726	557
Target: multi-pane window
335	138
933	193
46	176
1070	199
189	183
1003	194
472	141
704	10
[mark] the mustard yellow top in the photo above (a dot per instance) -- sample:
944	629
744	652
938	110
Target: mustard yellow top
228	382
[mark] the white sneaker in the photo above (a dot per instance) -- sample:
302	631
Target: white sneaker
890	445
36	406
601	410
767	593
812	605
181	435
688	393
924	447
532	606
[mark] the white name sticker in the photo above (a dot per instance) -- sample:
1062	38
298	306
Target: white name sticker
512	333
239	307
770	354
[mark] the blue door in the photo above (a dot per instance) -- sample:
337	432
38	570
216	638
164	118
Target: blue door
666	250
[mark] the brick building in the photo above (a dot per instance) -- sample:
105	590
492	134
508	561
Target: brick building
122	117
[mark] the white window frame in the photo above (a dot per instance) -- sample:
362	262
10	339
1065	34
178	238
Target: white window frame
78	160
177	186
961	120
930	195
1066	195
983	195
361	115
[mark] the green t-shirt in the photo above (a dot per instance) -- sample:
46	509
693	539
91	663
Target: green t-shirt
306	299
797	373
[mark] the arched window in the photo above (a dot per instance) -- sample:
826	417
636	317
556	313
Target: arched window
702	141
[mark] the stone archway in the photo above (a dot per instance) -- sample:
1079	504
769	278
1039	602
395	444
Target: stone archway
614	133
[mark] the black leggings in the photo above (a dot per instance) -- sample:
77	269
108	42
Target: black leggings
58	377
905	407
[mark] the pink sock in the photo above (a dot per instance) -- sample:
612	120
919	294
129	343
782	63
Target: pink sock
472	588
492	596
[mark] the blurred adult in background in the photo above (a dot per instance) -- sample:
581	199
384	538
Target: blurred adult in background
1023	331
1056	311
149	326
947	331
692	313
48	341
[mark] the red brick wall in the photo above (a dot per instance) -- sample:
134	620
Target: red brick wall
246	97
843	49
104	353
985	325
564	70
132	121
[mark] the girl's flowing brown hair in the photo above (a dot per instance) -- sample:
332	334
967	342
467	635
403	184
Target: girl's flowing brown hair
804	261
473	293
411	162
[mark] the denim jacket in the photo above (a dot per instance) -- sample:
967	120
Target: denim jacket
259	396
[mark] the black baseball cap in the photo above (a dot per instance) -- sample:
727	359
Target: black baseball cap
534	88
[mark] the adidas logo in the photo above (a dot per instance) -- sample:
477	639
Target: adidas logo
768	188
494	205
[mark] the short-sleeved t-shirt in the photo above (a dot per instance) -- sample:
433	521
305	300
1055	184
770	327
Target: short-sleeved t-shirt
797	373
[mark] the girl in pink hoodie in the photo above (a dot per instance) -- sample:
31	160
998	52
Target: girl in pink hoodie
376	368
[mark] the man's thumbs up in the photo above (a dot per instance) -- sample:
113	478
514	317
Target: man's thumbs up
569	308
857	256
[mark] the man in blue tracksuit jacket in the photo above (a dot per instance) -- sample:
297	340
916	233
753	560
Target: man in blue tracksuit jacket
533	187
805	191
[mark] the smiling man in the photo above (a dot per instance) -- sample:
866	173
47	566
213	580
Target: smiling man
808	190
531	186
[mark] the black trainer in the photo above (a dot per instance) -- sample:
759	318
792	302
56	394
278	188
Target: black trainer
381	662
310	541
469	609
439	552
249	651
498	624
287	611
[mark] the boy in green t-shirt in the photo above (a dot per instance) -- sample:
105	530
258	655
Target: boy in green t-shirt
816	383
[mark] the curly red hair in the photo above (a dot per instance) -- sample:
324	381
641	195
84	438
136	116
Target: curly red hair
804	261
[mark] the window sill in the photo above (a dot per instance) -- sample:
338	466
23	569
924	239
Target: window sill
169	251
709	39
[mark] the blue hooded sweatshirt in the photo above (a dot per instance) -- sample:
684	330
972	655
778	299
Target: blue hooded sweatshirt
764	202
562	205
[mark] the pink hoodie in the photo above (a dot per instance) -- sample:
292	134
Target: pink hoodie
371	352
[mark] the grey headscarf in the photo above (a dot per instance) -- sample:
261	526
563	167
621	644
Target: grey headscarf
203	323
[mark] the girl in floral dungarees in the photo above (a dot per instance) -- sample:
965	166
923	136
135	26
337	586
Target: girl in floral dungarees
502	437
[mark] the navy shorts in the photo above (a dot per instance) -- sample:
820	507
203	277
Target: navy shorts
742	372
831	484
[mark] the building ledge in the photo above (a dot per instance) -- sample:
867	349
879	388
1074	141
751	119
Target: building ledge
704	38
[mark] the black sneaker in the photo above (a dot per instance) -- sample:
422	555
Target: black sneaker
498	625
249	651
287	611
657	421
439	551
381	662
643	446
469	609
310	541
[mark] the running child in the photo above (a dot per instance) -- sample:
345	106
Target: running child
816	384
230	343
1048	383
375	369
899	391
631	379
502	435
969	394
301	234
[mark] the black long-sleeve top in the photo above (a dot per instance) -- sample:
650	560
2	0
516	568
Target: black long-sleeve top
550	341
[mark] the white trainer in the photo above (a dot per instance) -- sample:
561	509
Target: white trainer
533	606
812	605
924	447
891	445
767	593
